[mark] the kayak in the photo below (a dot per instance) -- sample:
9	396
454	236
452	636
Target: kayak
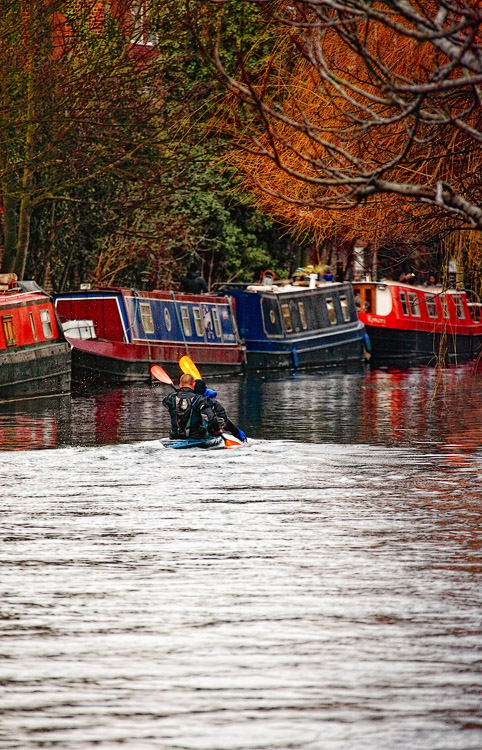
213	441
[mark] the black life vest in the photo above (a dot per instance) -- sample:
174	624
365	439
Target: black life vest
185	412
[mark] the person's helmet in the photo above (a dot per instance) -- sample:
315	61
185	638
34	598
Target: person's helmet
199	387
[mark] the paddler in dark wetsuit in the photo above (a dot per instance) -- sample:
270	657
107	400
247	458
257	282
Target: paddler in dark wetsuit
219	410
192	415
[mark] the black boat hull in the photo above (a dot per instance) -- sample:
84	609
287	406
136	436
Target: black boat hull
36	371
408	348
94	368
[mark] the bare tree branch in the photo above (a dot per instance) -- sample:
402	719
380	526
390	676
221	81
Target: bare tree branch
360	98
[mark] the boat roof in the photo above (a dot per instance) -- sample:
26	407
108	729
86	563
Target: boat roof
12	296
162	294
290	288
436	289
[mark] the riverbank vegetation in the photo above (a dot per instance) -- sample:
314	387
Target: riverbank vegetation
242	133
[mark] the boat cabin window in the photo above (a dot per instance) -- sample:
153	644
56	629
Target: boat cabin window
46	324
414	304
431	305
331	311
198	321
217	324
167	319
146	317
475	311
368	307
344	308
186	323
445	309
9	330
301	308
403	303
459	306
287	317
32	325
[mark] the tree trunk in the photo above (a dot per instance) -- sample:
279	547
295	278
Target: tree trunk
25	213
9	232
23	235
45	275
65	271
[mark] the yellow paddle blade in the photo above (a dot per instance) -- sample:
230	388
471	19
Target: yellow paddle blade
187	366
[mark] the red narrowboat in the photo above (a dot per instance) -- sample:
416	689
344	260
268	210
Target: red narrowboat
35	357
117	334
410	325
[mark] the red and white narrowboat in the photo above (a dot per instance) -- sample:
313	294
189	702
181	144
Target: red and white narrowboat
410	325
117	334
35	357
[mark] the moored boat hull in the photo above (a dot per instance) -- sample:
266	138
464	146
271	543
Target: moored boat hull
35	358
99	361
399	348
323	352
291	327
410	326
126	332
35	372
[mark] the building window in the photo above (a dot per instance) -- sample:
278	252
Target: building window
459	306
32	325
301	308
9	330
46	324
217	324
403	303
186	323
285	310
431	305
345	310
167	319
331	311
198	321
414	304
146	317
141	33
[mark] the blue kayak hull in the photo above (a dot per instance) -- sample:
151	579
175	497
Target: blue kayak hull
208	442
213	441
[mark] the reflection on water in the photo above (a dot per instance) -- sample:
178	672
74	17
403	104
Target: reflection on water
317	589
419	406
284	595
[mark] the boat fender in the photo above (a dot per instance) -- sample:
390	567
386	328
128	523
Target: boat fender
367	343
296	361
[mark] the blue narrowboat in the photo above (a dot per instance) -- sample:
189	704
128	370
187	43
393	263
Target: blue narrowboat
117	334
294	326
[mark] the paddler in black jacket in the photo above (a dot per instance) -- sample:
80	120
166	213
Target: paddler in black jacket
219	410
192	415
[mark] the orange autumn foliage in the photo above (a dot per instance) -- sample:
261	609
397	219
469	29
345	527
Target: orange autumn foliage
318	128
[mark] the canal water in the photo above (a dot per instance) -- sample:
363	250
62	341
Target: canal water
317	589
